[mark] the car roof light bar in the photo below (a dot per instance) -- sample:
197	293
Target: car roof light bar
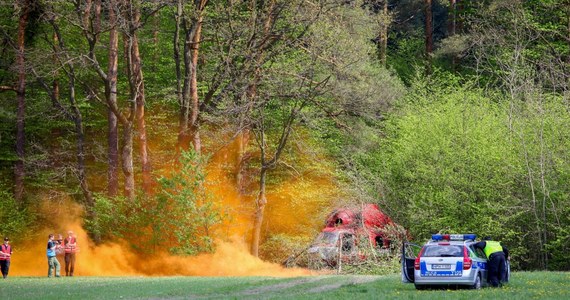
453	237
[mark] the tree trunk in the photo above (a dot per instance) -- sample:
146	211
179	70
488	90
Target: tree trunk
259	211
186	88
127	157
189	100
184	107
451	18
128	122
111	97
428	28
55	83
80	135
251	90
19	170
73	113
140	110
451	27
137	96
460	6
383	42
428	34
194	48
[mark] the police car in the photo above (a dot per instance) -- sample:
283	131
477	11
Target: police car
446	260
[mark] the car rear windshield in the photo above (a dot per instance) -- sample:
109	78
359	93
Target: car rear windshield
443	251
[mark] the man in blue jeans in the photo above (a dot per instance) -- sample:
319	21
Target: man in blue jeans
53	263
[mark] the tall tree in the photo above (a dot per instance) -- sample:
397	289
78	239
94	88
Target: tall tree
137	95
428	28
282	91
452	18
19	170
254	34
110	80
187	83
87	17
261	25
384	18
384	25
72	112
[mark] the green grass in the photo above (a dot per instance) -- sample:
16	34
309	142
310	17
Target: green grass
524	285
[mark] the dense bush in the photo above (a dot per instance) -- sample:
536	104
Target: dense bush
180	217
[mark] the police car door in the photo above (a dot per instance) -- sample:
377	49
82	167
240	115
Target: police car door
409	253
508	269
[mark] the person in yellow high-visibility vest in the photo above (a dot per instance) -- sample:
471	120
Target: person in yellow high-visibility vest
496	256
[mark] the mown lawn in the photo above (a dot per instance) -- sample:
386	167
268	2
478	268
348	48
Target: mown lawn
524	285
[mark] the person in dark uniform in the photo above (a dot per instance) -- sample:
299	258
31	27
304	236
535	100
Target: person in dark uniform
497	256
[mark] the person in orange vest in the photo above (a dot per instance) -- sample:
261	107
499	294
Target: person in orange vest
5	254
70	246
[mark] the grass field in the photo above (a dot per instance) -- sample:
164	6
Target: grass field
524	285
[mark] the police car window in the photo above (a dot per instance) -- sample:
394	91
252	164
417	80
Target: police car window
443	251
478	252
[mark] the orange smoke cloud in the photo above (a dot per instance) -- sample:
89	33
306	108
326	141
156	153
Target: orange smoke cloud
115	259
295	207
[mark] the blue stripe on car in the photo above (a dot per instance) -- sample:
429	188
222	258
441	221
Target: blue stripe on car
425	273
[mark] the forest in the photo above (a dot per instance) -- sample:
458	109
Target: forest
172	125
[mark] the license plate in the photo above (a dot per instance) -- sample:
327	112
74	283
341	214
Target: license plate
441	267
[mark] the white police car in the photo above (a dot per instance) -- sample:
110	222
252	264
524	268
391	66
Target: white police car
446	260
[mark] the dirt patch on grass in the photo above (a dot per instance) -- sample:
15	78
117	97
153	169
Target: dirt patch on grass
349	280
279	286
342	281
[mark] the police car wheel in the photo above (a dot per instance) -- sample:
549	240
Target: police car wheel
477	284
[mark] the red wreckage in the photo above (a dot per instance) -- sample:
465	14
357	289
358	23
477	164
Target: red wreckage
349	231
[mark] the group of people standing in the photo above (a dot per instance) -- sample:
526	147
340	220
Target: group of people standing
68	246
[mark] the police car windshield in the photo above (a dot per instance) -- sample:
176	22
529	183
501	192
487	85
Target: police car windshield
443	251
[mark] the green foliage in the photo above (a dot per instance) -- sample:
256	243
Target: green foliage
448	161
180	217
186	209
279	247
15	220
454	160
405	55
